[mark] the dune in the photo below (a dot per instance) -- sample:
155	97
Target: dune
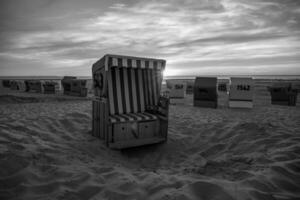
47	152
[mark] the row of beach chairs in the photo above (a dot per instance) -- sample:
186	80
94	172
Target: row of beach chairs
241	91
71	86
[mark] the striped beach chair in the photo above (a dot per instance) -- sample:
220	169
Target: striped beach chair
128	110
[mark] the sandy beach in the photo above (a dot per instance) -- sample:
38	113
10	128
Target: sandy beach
47	152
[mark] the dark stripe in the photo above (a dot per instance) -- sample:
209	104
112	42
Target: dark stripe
130	89
109	61
147	64
138	90
115	97
129	63
123	90
120	62
155	65
151	87
138	63
154	87
157	81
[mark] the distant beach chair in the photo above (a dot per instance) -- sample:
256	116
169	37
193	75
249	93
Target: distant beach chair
205	92
33	86
17	85
190	86
176	88
74	87
50	87
223	90
128	110
6	83
283	94
241	93
223	85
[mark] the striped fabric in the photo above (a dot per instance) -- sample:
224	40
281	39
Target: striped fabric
133	90
134	63
131	117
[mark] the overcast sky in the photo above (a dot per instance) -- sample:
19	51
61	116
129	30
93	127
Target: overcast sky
196	37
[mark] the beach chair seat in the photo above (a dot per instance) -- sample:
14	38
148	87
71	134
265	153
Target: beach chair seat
130	117
127	108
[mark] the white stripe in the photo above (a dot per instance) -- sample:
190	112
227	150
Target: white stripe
138	117
159	64
115	62
124	62
143	64
151	64
145	116
119	96
134	63
130	118
112	119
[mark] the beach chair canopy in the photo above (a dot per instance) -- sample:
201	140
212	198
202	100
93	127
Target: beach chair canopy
131	84
241	89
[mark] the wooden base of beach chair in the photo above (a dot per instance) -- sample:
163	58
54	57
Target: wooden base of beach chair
240	104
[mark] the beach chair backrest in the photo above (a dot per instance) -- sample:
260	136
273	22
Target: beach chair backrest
131	84
241	89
